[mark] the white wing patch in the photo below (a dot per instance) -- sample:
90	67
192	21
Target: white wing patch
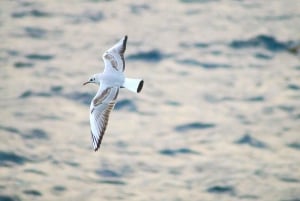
101	106
114	57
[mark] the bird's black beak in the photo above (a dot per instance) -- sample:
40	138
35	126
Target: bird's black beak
86	83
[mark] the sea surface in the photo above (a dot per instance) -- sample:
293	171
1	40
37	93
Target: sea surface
218	117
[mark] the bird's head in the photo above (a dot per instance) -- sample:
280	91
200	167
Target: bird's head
93	79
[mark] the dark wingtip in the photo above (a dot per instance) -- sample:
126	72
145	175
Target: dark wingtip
140	87
96	149
124	44
98	145
125	41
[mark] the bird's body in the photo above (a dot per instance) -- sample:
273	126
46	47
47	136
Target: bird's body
111	79
110	82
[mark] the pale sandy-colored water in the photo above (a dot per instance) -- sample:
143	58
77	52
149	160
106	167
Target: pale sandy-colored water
218	118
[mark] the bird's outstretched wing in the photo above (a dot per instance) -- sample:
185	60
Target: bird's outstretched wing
114	57
101	106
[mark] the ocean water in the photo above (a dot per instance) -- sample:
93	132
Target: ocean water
217	119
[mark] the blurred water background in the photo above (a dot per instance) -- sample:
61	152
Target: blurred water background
218	118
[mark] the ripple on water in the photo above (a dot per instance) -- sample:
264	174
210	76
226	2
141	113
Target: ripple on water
294	145
286	108
113	182
42	57
36	134
194	126
221	189
30	13
201	45
35	171
35	32
8	198
22	64
172	103
197	1
263	56
32	192
139	8
29	93
88	16
126	104
249	140
148	56
10	158
10	129
255	99
173	152
56	89
293	87
107	173
58	189
81	97
94	16
289	179
263	41
207	65
109	176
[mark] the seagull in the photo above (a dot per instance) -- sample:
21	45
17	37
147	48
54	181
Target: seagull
110	82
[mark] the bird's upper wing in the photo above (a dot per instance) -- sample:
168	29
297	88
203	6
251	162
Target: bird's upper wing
114	57
101	106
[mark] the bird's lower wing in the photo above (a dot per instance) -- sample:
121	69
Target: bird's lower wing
101	106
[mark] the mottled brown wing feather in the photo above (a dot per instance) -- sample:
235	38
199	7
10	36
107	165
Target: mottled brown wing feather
112	60
99	99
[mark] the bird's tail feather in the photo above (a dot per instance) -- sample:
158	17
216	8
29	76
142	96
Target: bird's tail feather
134	85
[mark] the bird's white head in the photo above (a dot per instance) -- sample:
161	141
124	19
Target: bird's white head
93	79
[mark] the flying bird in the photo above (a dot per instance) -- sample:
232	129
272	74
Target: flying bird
110	82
